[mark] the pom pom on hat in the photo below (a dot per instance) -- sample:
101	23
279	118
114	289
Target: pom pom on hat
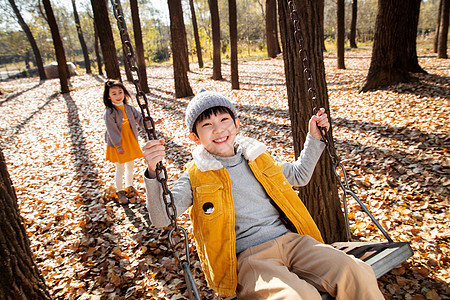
203	101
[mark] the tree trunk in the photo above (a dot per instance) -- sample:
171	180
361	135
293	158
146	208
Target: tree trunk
198	46
215	24
106	37
273	47
87	62
443	32
340	34
394	43
97	50
438	25
31	40
59	48
353	24
233	44
411	61
320	195
140	56
19	276
178	38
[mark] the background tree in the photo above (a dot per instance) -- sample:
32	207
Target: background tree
443	32
395	35
178	38
59	47
31	40
320	195
273	47
233	44
340	35
198	46
438	27
353	24
97	50
87	62
101	19
140	56
215	28
19	276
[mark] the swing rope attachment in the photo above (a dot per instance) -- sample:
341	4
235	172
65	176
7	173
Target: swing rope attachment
312	93
161	171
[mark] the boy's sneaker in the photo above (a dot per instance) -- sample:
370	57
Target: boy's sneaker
122	197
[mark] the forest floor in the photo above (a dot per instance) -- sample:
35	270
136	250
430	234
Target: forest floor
394	144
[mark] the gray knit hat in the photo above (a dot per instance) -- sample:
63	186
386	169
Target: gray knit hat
203	101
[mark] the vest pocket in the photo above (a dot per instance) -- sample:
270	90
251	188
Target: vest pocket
275	174
208	201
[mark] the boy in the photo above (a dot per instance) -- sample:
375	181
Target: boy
254	236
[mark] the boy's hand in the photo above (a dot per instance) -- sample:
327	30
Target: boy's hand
120	150
320	119
154	152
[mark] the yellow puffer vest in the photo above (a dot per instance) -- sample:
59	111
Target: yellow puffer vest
212	216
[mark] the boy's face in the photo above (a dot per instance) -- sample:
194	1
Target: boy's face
217	134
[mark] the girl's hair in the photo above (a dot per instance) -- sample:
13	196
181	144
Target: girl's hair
209	112
108	85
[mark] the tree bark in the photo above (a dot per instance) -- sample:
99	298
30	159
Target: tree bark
87	62
353	24
215	24
320	195
101	19
178	38
198	46
97	51
19	276
340	34
31	40
140	56
59	48
394	47
443	32
273	47
438	26
233	44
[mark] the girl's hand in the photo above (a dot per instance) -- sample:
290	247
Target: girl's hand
320	119
154	152
120	150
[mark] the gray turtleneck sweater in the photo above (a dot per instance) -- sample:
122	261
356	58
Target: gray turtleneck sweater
256	219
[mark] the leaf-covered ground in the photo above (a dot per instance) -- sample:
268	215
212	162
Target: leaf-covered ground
394	144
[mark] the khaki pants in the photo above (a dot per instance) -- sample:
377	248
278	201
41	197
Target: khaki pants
296	266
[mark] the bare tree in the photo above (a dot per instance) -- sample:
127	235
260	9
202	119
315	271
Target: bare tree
198	46
443	32
215	24
438	26
340	35
394	52
59	48
106	37
87	62
140	57
273	47
233	44
19	276
97	50
320	195
31	40
179	50
353	24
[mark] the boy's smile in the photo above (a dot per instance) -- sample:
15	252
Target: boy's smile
217	134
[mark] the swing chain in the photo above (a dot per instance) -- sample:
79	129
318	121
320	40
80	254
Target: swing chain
312	93
161	171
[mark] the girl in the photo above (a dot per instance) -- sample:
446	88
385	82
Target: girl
121	136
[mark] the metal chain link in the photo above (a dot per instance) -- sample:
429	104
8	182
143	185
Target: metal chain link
161	171
312	93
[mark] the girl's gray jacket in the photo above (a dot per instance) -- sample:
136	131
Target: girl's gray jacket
113	120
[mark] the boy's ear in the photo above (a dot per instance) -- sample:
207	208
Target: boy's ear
193	137
237	122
